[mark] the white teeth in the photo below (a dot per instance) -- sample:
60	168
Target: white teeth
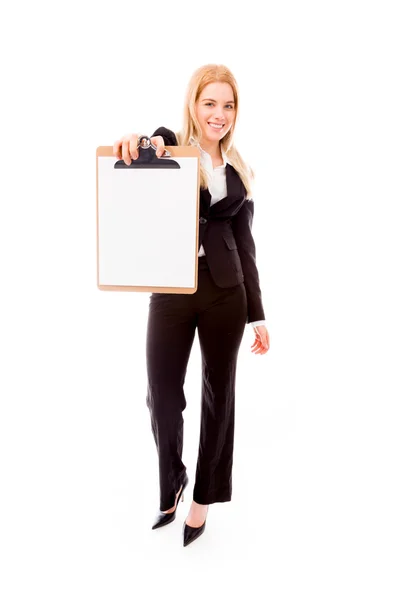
215	126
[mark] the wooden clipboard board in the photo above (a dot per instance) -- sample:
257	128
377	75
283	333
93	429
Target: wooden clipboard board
147	220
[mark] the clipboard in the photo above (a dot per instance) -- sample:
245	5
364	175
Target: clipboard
147	218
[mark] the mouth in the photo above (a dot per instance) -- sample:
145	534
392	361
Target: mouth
216	126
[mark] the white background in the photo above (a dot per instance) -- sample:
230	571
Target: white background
315	507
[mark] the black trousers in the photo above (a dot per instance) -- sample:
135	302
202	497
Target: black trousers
220	315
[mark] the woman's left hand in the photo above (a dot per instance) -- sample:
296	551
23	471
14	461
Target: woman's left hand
261	343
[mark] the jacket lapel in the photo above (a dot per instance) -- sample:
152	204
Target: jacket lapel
235	192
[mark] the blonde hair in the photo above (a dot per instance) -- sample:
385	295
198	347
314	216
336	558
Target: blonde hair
191	127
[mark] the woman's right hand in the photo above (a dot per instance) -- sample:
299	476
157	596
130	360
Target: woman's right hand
126	148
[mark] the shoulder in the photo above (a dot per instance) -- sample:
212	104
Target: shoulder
168	135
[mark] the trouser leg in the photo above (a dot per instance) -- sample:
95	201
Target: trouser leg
170	333
220	331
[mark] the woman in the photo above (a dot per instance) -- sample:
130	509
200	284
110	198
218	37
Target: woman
228	296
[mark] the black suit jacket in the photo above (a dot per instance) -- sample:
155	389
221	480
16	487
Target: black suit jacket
225	233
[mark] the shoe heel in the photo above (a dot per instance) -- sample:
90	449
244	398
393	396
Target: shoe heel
183	495
165	518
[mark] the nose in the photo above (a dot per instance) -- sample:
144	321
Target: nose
219	113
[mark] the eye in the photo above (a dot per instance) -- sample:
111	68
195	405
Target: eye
211	103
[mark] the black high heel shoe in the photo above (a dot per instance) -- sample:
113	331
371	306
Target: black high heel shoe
165	518
192	533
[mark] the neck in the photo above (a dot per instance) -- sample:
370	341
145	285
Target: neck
213	148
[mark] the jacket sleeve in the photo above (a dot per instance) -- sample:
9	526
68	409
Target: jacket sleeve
168	136
241	225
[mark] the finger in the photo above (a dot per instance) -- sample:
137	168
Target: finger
125	151
117	149
133	147
261	349
158	142
266	344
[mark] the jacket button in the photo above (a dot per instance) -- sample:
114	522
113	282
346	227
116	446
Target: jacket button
203	220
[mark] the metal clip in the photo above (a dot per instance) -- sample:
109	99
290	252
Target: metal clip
145	142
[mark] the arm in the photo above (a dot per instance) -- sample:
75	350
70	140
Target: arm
241	225
168	136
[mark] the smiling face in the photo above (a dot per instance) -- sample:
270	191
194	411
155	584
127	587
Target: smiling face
215	111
